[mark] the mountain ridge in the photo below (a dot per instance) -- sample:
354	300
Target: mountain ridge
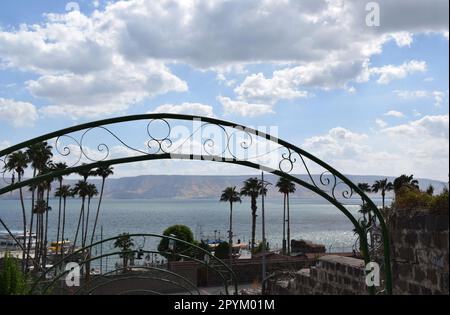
208	186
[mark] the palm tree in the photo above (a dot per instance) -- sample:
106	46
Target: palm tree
230	195
366	188
253	188
286	187
405	180
383	186
104	172
48	187
18	162
40	208
59	167
126	244
63	193
86	173
430	190
39	155
81	189
91	192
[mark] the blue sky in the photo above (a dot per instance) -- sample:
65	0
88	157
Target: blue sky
366	100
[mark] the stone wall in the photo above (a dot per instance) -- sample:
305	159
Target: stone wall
420	247
332	274
420	261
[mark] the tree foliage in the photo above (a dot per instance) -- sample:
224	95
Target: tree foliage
222	250
181	232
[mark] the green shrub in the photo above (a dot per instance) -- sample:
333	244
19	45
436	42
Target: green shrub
198	254
440	203
222	251
12	280
259	248
412	199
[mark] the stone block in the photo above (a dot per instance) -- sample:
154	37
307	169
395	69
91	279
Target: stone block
418	222
411	238
402	286
425	239
419	275
405	270
440	240
347	281
350	271
432	276
407	254
442	223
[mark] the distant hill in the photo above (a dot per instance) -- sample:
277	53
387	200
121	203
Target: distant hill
204	187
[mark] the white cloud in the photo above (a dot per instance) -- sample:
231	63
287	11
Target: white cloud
326	43
416	113
432	126
17	114
403	38
259	89
264	30
390	72
394	113
438	96
381	123
243	108
445	34
340	142
81	73
186	108
110	91
419	147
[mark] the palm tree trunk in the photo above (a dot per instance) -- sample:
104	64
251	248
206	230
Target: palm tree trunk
31	220
98	211
30	236
83	219
44	254
288	225
87	222
254	208
59	217
230	235
63	227
38	239
24	219
79	222
284	225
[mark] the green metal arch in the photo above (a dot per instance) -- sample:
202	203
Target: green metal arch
290	147
193	287
193	246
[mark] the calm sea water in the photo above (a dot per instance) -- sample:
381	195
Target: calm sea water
311	220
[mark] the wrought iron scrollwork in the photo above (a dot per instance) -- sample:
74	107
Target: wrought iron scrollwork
161	143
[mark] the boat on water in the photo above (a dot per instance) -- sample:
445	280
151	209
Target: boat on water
8	242
60	246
